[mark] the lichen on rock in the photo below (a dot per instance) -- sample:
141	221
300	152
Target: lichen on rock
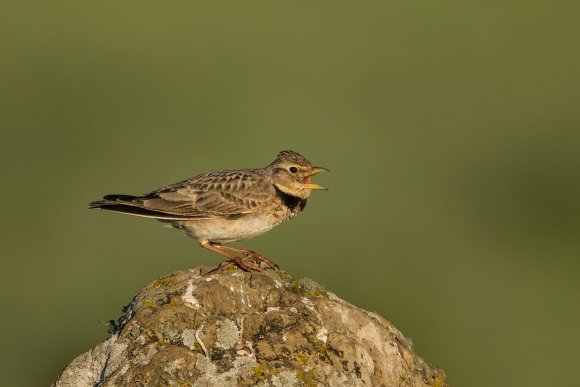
230	327
188	338
227	334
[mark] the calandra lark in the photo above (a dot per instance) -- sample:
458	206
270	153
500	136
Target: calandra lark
227	206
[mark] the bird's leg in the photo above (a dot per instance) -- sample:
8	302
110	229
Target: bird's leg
251	254
244	265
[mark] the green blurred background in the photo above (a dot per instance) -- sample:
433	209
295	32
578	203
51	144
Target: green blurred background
451	129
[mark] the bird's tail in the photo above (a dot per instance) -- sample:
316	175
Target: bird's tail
133	205
113	201
125	204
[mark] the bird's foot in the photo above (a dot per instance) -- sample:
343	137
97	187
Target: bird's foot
259	259
245	265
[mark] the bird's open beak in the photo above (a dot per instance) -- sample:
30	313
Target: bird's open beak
308	181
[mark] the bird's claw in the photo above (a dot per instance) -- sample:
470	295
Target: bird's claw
257	258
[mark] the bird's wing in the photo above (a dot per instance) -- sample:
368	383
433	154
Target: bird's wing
217	194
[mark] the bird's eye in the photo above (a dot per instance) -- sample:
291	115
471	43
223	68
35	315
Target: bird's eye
293	169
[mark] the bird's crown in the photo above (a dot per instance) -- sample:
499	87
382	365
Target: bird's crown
291	156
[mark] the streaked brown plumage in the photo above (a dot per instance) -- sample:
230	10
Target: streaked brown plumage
227	206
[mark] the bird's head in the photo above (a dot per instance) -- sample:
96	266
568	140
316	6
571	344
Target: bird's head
292	174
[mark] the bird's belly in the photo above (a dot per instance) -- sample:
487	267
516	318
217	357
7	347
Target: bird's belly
227	230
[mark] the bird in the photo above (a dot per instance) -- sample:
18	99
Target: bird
225	206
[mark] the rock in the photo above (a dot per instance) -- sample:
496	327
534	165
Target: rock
231	327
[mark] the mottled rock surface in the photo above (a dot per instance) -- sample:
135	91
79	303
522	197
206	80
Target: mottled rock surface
231	327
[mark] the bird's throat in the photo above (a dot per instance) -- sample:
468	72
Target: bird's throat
294	203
